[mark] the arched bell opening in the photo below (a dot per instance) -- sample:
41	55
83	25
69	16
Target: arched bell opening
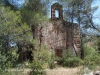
56	12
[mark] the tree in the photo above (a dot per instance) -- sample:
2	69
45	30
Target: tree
33	12
11	24
12	31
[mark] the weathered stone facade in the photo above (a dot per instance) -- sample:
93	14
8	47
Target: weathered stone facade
58	35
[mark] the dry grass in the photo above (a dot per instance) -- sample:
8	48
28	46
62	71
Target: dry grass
63	71
59	70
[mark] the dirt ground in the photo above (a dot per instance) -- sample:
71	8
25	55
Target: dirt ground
63	71
59	70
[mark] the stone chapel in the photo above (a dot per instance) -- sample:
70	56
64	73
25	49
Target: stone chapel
58	35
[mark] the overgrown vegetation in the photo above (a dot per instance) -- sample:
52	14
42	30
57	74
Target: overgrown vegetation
92	58
43	59
7	60
16	27
70	60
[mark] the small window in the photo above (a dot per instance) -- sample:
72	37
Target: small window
56	13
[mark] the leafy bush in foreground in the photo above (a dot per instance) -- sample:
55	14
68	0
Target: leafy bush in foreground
92	58
72	62
37	68
42	60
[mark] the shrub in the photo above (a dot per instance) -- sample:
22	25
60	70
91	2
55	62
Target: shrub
88	50
43	59
92	60
92	57
51	64
66	54
44	55
72	62
37	68
7	60
59	60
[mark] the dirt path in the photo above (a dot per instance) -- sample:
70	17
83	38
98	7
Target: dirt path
63	71
56	71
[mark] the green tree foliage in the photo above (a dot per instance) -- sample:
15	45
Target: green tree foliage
11	25
15	27
42	59
92	58
12	30
70	60
7	60
33	12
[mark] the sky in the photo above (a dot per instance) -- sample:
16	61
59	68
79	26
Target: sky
97	13
19	3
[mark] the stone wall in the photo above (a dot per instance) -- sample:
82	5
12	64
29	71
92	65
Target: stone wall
57	36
